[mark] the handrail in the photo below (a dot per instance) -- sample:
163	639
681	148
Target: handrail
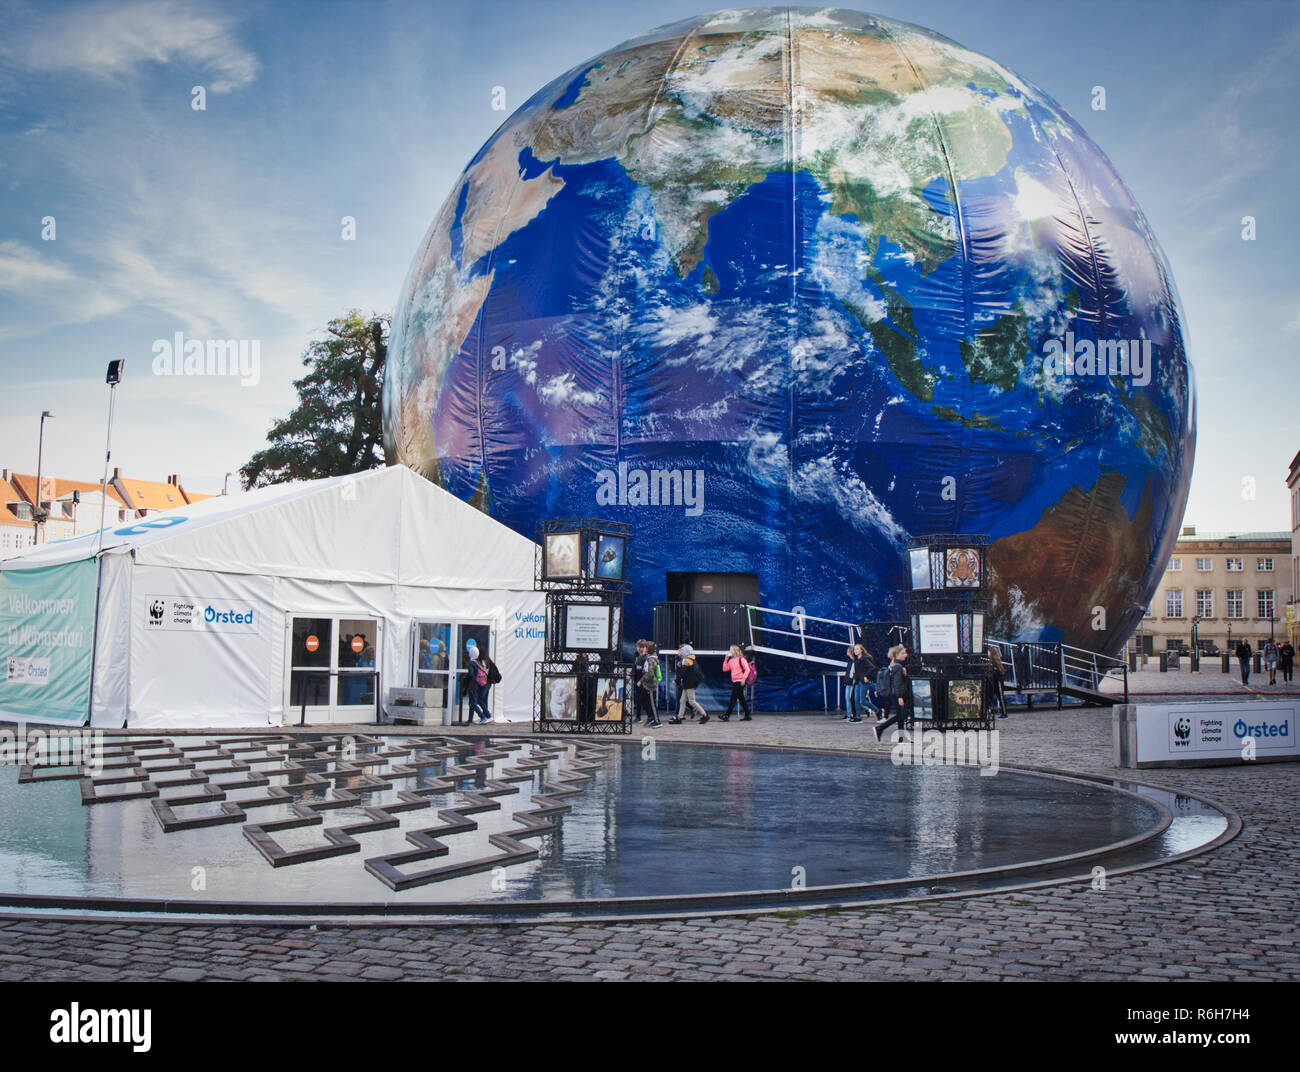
802	635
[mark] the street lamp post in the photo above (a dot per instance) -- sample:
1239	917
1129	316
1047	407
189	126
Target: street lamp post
113	378
39	515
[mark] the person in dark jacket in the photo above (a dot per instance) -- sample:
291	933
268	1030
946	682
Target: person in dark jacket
689	678
864	672
1243	657
996	687
898	704
1286	659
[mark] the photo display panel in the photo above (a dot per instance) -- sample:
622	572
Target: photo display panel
563	559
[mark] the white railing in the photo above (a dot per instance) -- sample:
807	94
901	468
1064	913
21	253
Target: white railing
799	622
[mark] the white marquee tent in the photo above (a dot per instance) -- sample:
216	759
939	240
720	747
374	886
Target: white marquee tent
268	608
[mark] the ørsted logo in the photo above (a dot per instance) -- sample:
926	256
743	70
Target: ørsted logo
1241	729
227	617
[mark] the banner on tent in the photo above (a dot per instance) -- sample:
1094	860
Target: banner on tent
47	622
200	648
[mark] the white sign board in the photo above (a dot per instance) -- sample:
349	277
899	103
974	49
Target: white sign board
201	614
938	634
586	627
1192	731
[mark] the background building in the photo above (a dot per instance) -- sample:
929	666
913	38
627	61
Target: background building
1229	585
73	506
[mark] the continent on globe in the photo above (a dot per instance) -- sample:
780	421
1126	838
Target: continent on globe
826	263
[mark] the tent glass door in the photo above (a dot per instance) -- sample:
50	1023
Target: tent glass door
432	660
358	640
332	675
480	635
311	642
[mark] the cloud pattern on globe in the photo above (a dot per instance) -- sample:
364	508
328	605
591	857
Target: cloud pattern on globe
821	266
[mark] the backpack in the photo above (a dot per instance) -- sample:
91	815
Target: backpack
882	683
494	675
752	676
659	674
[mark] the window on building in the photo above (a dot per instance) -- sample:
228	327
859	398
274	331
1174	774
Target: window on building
1204	603
1264	565
1175	565
1205	564
1236	603
1264	600
1148	614
1174	603
22	510
1235	566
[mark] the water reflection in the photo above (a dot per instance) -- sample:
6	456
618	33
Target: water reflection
693	820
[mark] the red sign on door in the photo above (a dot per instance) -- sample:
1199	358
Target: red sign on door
358	643
313	642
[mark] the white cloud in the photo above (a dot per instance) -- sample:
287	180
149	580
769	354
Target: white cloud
22	267
113	40
563	390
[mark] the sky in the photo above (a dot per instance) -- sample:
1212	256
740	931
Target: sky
226	222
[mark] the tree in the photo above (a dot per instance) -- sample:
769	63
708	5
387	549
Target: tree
338	425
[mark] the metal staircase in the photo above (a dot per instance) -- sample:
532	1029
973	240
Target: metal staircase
1049	666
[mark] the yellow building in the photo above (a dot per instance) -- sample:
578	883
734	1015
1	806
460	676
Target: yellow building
1229	586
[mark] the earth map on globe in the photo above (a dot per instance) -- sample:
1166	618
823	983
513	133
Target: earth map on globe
808	264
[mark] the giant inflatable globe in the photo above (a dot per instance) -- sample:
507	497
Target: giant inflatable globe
782	287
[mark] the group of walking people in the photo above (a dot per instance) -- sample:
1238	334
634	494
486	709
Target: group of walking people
887	694
648	676
1274	657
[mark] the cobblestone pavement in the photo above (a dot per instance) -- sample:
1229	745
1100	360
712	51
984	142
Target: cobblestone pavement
1225	915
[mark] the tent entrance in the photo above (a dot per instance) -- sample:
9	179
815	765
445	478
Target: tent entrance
331	669
441	660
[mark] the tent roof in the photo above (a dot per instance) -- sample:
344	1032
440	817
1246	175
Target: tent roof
387	526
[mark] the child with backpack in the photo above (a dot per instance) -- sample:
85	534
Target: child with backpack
647	692
688	680
891	686
742	674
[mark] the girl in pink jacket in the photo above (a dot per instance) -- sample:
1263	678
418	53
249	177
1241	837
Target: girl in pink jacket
738	667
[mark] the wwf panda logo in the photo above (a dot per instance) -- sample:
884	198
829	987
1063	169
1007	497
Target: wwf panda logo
156	610
1183	729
